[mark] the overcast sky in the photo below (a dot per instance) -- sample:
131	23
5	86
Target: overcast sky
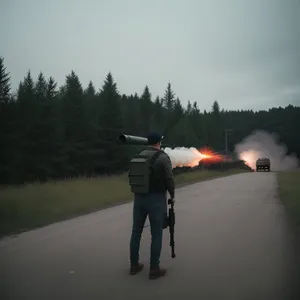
242	53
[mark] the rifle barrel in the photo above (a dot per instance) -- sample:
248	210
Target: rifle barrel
171	228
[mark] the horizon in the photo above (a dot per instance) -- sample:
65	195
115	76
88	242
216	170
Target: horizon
97	89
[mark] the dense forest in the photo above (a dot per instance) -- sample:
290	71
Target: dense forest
51	132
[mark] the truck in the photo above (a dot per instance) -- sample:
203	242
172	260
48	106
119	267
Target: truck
263	164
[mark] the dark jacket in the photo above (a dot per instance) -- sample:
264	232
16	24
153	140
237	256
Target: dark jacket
161	179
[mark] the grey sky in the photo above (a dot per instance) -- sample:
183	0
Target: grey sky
243	53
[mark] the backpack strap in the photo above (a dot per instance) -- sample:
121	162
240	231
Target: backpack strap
154	157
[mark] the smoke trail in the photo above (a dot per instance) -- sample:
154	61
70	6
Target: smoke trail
262	144
184	157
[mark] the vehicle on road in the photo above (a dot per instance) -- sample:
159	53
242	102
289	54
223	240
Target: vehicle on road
263	164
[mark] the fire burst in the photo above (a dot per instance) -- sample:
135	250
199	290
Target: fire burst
205	156
208	156
192	157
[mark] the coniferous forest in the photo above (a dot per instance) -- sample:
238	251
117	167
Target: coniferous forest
51	132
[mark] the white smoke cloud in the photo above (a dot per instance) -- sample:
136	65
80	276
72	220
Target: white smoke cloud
261	144
184	157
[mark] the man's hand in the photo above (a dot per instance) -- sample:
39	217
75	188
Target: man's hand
172	200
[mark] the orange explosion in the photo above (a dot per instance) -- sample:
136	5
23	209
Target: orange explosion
205	156
191	157
208	156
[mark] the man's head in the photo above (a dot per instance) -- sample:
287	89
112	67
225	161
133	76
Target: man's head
154	139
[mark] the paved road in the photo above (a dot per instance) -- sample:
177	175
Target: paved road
232	242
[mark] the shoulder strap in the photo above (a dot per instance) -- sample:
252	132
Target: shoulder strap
154	157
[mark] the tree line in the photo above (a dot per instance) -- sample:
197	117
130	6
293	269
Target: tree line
50	132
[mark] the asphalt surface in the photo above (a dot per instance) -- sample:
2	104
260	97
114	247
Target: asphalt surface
233	241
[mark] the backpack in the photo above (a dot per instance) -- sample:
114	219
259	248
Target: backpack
141	167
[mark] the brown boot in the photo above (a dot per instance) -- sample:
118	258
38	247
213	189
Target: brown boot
134	269
156	273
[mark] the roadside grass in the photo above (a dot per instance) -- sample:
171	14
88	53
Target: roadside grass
35	205
289	192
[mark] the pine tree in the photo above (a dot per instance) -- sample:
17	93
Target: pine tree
51	88
130	113
145	111
41	129
178	110
27	150
110	118
4	86
111	126
95	153
216	127
216	108
157	120
205	128
75	125
47	133
41	88
169	98
73	108
189	108
174	117
6	125
91	104
196	121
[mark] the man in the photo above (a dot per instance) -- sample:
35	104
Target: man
153	205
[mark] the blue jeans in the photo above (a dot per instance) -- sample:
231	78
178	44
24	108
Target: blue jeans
155	207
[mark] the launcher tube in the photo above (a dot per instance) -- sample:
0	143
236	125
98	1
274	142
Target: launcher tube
133	140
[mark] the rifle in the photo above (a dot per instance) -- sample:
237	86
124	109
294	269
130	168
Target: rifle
171	223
